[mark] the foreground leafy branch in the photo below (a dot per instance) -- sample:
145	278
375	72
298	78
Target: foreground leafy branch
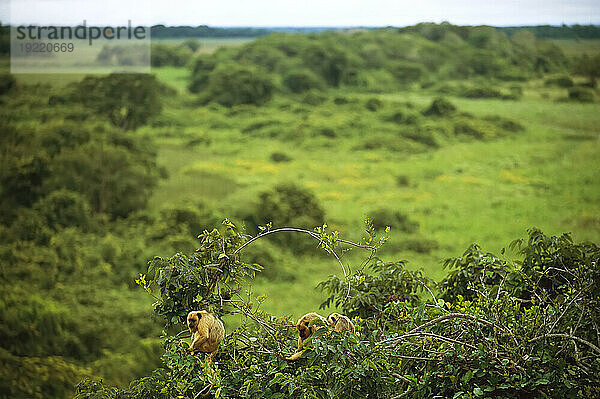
500	328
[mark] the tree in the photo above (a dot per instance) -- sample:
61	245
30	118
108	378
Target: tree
589	67
231	84
128	101
529	331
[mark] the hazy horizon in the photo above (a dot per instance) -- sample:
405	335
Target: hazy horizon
309	13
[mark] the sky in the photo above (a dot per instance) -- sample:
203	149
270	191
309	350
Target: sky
266	13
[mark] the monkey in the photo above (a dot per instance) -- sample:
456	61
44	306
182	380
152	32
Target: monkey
340	322
207	332
305	330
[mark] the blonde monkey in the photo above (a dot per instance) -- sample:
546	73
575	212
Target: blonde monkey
305	330
341	323
207	332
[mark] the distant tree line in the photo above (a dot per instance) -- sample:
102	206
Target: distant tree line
557	32
161	31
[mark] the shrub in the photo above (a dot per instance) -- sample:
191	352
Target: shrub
373	104
280	157
192	44
560	81
128	101
505	124
314	97
299	81
440	107
169	55
327	132
201	70
402	180
581	94
327	60
289	205
404	118
406	72
383	217
481	92
63	208
231	84
423	136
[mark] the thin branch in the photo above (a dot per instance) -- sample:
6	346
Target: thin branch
401	377
396	340
566	308
316	237
266	233
426	359
455	316
567	336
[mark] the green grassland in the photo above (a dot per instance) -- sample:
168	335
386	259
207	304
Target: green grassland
484	191
450	135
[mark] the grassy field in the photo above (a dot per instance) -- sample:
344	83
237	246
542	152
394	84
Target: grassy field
466	191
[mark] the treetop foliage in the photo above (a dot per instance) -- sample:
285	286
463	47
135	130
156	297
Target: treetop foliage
501	328
371	60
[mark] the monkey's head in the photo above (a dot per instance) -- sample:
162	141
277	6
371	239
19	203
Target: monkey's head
194	317
333	319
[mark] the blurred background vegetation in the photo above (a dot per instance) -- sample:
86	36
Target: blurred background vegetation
448	134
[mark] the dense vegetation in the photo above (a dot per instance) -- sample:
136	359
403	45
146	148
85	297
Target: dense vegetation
450	135
500	328
541	31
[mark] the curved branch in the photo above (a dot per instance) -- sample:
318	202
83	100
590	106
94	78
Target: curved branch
436	336
455	316
567	336
316	237
266	233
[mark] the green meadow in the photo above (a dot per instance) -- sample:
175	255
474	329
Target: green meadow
448	135
488	192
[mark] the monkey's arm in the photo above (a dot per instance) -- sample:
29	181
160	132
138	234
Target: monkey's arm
199	340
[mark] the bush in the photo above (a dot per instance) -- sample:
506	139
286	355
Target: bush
440	107
201	70
505	124
169	55
63	208
114	179
128	101
423	136
406	72
289	205
402	181
373	104
581	94
299	81
327	60
560	81
280	157
481	92
192	44
395	219
314	97
231	84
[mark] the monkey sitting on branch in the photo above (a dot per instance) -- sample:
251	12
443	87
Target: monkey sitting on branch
305	330
207	332
341	323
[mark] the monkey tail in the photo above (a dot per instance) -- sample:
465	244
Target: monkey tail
295	356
